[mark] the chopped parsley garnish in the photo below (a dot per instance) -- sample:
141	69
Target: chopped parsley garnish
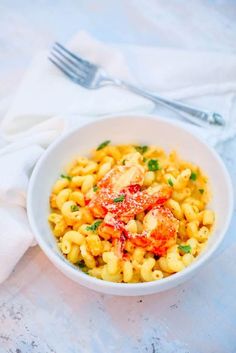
119	198
193	176
66	177
74	208
123	162
95	188
185	248
82	266
153	165
141	149
103	144
94	226
201	191
170	182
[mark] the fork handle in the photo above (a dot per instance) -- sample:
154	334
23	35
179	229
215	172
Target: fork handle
194	115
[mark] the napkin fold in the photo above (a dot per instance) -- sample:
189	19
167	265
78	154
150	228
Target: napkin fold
48	104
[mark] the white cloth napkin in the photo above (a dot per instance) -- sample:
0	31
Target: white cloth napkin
47	104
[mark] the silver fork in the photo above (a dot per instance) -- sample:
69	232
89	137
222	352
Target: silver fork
92	76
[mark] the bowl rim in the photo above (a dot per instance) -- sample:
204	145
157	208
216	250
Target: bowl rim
93	281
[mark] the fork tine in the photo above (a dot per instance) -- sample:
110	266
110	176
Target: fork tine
67	72
69	58
76	57
63	69
71	68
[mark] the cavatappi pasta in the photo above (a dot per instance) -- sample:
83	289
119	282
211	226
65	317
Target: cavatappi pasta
131	213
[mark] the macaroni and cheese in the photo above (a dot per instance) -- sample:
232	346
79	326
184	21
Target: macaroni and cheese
131	213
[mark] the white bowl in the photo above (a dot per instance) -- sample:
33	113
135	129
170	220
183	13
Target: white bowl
127	129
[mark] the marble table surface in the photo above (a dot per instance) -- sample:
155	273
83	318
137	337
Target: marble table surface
41	311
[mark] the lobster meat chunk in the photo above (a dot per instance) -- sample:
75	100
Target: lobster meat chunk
120	198
160	231
120	194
